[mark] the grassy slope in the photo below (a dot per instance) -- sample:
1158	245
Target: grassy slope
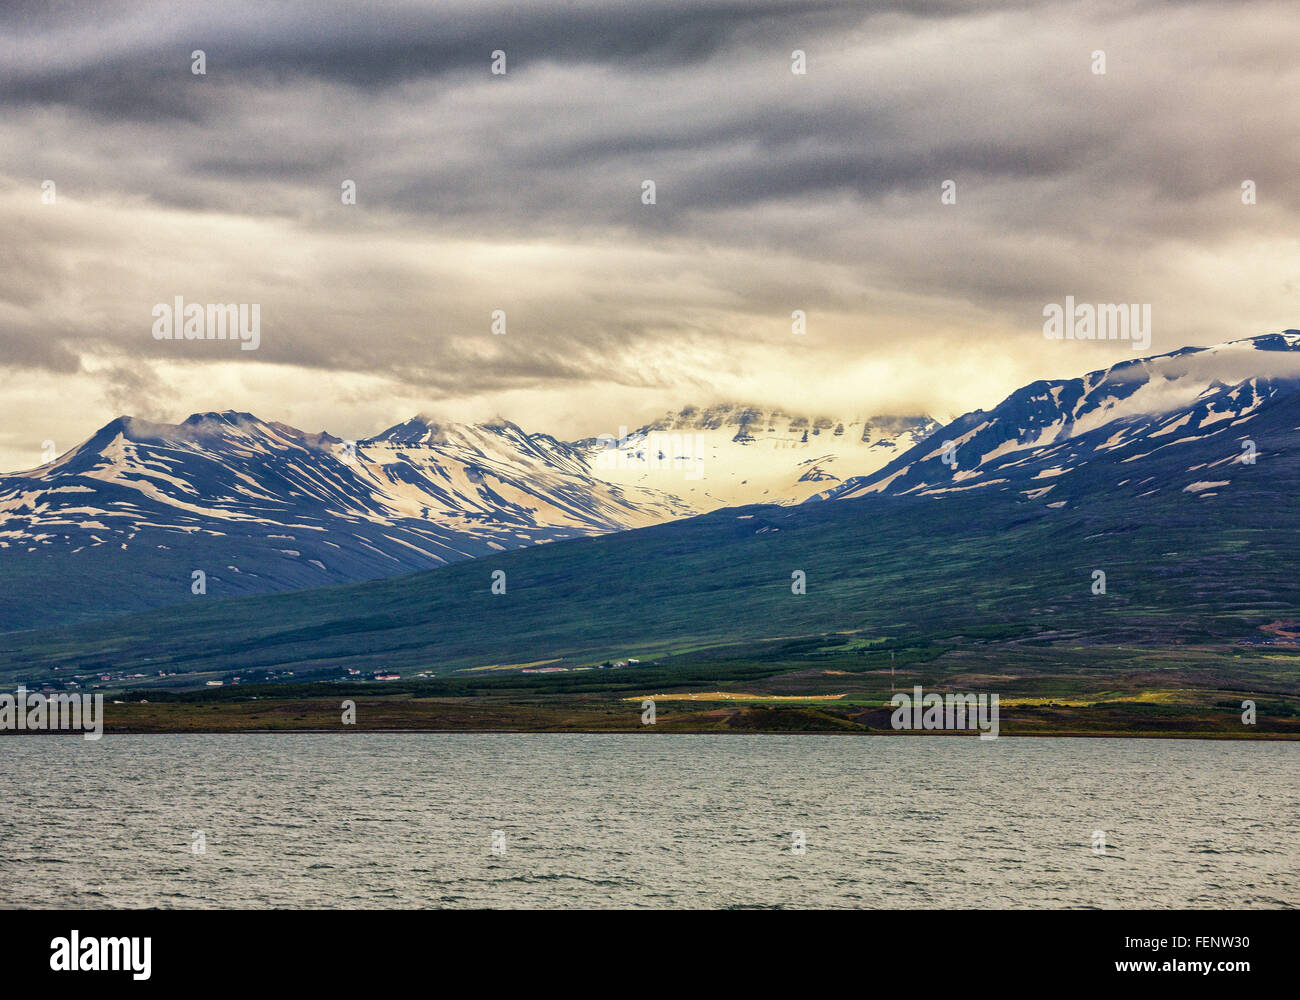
976	575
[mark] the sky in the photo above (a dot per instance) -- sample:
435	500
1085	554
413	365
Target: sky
128	179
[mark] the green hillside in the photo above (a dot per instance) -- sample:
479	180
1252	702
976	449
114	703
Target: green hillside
986	573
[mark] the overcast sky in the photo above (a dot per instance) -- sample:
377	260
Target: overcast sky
522	192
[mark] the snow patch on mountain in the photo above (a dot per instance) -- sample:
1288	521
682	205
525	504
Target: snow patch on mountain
1132	412
733	454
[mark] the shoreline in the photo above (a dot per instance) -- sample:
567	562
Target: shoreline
650	733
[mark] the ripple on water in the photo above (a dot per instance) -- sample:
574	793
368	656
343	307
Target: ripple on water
683	821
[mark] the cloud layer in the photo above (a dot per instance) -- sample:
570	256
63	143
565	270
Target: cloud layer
521	192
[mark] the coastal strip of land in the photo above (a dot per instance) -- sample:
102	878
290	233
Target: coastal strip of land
708	712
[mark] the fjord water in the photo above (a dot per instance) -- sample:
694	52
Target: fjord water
408	820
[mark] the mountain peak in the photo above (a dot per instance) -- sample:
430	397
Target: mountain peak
1287	340
1179	413
432	431
232	417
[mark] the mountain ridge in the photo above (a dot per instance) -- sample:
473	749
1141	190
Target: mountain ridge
258	505
1051	429
126	520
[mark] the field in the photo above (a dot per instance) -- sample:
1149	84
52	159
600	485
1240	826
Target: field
990	595
791	686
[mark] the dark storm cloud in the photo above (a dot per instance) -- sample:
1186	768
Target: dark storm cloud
295	94
373	46
821	190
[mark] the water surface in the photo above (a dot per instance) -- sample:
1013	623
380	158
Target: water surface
407	820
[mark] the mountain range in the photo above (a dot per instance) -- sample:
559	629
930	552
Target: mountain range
126	519
1177	475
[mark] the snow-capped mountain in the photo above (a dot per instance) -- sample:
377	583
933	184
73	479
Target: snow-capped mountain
730	454
415	496
128	518
260	506
487	476
1194	420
